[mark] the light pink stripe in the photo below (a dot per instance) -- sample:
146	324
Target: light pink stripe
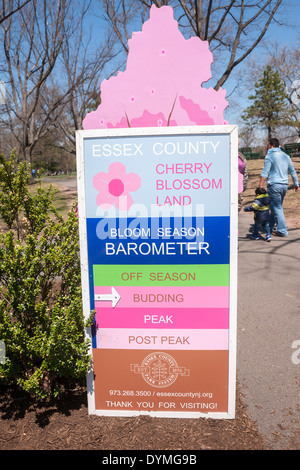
161	297
164	318
115	338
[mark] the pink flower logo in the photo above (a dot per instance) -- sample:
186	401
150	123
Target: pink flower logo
114	187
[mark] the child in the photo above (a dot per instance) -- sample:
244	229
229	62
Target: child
260	206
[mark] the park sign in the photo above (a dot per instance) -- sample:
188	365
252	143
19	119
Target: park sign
158	241
157	186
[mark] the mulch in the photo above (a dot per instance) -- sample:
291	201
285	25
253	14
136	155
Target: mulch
64	424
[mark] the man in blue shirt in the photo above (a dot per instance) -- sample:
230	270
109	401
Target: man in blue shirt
277	167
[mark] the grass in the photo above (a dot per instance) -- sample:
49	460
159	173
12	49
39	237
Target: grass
64	200
64	197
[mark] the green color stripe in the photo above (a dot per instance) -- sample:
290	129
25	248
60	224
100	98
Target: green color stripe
161	275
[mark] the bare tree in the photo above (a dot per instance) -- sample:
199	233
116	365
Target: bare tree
287	61
32	41
120	15
51	67
233	28
82	64
10	7
49	72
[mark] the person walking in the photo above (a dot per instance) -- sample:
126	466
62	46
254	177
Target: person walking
242	178
277	166
260	207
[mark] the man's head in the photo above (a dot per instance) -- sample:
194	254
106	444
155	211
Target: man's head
273	143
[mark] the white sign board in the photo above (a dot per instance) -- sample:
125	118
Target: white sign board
158	233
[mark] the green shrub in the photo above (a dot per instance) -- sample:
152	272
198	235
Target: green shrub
41	318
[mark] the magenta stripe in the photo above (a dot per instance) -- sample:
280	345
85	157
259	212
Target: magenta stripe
116	338
165	318
175	297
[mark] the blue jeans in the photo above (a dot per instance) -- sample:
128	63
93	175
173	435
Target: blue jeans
277	192
264	225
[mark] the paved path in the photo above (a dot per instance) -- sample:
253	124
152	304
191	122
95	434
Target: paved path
268	325
70	183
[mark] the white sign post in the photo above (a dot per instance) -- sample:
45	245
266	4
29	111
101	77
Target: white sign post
158	234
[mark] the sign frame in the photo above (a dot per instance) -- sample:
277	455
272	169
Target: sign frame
231	131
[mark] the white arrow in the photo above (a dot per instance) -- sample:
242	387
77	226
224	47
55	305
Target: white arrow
114	297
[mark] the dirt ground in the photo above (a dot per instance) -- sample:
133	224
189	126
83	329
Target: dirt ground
64	423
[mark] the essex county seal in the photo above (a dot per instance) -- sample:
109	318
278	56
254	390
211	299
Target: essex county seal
159	369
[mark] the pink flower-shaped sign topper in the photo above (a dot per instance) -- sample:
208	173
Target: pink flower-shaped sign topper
162	83
114	187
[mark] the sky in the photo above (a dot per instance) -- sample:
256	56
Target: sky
288	34
284	35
